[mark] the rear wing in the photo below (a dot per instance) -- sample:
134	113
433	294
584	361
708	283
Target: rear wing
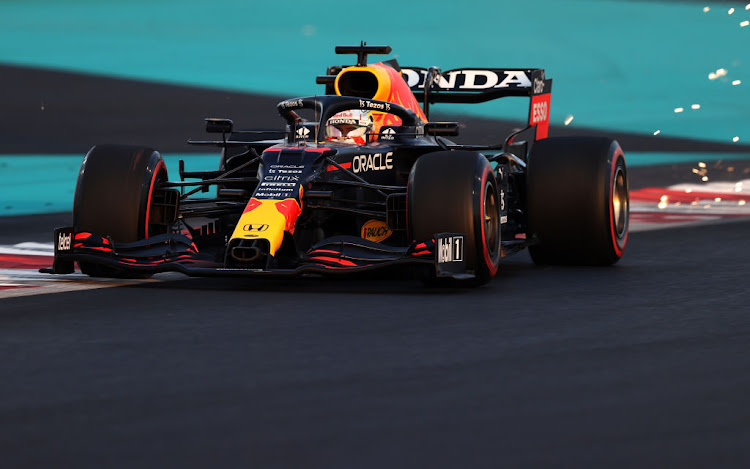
474	85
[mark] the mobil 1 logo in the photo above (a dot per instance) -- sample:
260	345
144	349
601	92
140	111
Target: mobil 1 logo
449	255
450	248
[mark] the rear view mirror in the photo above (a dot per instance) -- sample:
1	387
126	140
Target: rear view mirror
449	129
219	126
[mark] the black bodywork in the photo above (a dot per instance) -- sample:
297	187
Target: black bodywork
340	187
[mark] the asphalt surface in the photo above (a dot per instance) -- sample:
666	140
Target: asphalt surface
643	364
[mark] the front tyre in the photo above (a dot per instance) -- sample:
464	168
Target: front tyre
578	202
456	192
114	197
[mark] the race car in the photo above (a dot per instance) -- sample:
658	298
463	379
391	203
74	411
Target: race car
358	179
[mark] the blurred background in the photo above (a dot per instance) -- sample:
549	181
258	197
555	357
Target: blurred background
668	79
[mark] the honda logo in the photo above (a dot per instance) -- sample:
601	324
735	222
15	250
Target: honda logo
255	228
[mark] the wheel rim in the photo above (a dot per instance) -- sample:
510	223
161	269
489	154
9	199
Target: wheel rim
620	203
491	225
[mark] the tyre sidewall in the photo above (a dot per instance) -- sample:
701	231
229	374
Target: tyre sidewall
114	190
446	194
570	184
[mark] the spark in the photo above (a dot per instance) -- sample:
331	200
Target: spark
695	106
707	206
731	11
701	164
747	7
657	132
694	203
736	82
721	72
704	178
738	187
706	9
663	202
744	23
741	202
736	139
712	76
688	191
717	199
677	110
568	120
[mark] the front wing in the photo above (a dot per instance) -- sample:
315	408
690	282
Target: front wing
177	253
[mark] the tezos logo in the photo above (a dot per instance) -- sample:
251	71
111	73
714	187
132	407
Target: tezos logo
63	242
291	103
255	228
388	134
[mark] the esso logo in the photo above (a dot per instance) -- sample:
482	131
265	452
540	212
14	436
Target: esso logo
539	112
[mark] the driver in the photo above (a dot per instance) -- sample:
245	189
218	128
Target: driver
349	126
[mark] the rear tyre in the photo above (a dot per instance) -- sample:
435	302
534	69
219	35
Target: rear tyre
456	192
578	203
114	195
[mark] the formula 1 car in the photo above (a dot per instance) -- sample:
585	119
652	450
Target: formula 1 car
321	198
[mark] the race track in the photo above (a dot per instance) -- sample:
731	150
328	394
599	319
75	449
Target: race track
642	364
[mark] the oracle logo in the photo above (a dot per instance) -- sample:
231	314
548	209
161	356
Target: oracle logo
375	162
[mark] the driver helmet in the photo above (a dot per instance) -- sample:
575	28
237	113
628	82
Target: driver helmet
349	126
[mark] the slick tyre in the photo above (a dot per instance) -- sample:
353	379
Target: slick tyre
456	192
578	203
114	195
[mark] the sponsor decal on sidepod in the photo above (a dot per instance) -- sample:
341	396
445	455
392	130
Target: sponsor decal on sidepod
375	230
375	162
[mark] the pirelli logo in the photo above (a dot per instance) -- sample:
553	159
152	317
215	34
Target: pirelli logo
450	249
